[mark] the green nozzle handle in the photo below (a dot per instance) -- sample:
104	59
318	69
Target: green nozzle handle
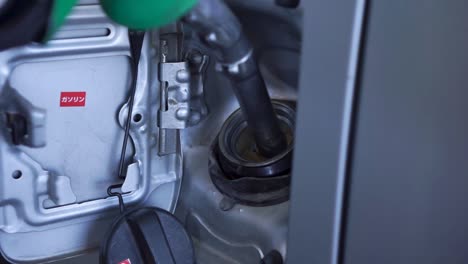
146	14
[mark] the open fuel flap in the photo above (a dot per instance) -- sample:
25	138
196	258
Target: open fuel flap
63	110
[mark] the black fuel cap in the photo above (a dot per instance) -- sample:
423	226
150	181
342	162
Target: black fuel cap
147	236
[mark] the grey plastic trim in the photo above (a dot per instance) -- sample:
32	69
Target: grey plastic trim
332	35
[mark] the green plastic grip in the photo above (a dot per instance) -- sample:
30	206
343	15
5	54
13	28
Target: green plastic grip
146	14
60	10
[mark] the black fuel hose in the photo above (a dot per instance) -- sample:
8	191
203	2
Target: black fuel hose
222	31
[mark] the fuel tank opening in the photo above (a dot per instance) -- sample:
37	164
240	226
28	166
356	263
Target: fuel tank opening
241	173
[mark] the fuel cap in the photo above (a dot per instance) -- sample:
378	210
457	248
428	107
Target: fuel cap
147	235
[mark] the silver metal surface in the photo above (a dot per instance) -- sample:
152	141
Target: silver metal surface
176	79
57	206
198	64
237	67
168	48
182	89
181	93
238	234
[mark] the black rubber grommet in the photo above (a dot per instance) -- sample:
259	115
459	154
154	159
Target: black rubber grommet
251	191
236	166
252	183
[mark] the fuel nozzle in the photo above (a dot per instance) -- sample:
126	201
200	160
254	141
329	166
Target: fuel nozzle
221	30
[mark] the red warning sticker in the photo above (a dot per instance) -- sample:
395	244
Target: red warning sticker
72	99
127	261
